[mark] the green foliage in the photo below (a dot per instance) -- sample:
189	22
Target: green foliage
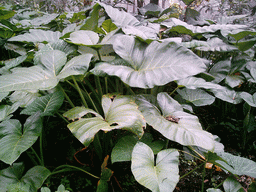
125	88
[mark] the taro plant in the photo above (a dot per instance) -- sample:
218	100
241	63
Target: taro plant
126	89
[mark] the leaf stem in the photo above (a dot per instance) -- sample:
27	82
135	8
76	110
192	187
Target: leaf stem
38	158
41	148
73	167
203	176
174	90
66	96
79	91
191	171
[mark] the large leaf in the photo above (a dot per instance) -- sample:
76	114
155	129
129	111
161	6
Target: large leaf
248	98
120	112
120	18
170	120
84	37
15	139
37	35
232	185
159	176
76	66
220	70
228	95
44	75
216	44
47	104
195	82
11	178
123	149
196	96
12	63
24	98
182	27
238	165
153	65
6	111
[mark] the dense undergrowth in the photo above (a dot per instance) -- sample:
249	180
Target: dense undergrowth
102	100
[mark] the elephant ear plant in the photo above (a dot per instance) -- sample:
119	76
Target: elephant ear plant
136	89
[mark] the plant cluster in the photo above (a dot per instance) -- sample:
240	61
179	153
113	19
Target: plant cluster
128	89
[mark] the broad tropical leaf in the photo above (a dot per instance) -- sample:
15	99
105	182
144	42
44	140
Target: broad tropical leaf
7	110
159	176
170	120
220	70
11	178
232	185
123	149
120	112
153	65
47	104
15	139
120	18
44	75
12	63
196	96
237	165
195	82
76	66
248	98
228	95
37	35
83	37
182	27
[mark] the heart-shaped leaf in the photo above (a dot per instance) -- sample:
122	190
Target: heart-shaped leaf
84	37
151	65
47	104
159	176
15	139
119	18
196	96
37	35
232	185
44	75
170	120
123	149
248	98
120	112
194	83
237	165
11	178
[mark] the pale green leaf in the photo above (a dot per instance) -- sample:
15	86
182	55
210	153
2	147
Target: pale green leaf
196	96
195	82
84	37
238	165
186	130
37	35
120	112
159	176
76	66
232	185
153	65
220	70
228	95
119	18
248	98
12	63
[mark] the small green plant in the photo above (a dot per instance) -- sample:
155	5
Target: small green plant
127	89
